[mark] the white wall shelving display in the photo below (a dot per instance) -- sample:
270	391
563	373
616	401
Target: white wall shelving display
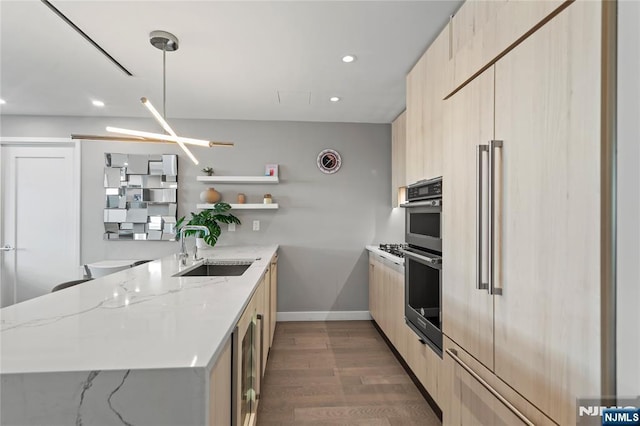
238	179
256	206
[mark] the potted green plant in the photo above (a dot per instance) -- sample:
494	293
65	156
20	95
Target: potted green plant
209	218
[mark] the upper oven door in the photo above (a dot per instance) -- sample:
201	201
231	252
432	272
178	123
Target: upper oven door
423	224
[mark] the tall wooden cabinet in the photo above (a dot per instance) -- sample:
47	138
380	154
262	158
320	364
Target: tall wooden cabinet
437	74
539	331
467	311
426	88
398	158
416	120
547	321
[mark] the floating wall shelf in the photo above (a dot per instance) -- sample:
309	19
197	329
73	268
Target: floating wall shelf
239	179
257	206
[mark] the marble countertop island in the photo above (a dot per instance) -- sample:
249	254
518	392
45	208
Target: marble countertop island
142	325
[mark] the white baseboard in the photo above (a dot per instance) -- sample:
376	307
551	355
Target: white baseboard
324	316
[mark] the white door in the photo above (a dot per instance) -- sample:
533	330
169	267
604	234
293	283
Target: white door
40	217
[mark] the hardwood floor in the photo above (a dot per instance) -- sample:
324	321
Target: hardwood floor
337	373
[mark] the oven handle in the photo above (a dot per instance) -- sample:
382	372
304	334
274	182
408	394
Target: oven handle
429	260
427	203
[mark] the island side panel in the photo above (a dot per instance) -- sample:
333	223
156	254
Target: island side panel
139	397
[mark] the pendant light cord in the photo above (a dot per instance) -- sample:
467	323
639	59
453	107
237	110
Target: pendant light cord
164	81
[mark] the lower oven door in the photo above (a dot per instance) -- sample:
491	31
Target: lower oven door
423	296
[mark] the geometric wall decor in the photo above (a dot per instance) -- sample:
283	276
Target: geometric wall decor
141	197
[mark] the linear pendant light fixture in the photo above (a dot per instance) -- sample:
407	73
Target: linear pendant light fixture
166	42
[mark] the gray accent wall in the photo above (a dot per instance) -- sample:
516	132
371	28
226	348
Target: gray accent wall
628	240
323	223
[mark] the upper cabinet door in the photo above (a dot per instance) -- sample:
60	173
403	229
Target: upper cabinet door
398	157
415	114
467	311
437	73
547	113
481	31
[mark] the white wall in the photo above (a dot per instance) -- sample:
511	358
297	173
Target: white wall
628	268
323	223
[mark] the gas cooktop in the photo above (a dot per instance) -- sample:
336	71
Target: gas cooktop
394	249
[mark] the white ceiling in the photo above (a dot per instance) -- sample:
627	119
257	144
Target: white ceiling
234	57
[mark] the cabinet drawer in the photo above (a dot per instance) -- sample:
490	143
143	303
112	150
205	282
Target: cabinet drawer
472	395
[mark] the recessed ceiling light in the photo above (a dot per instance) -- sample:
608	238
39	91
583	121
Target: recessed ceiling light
334	99
348	58
97	103
2	102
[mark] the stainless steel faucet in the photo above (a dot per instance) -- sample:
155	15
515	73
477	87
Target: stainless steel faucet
183	250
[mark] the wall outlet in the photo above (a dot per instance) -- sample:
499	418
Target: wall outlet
256	225
232	227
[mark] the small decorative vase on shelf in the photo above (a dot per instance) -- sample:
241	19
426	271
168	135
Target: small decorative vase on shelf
210	196
242	198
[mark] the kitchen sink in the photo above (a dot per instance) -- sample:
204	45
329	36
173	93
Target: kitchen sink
220	268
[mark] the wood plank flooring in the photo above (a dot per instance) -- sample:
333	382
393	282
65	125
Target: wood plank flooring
337	373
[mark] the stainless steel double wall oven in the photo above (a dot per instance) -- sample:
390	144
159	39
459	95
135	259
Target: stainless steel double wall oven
423	261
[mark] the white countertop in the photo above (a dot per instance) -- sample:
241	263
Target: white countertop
113	263
391	257
138	318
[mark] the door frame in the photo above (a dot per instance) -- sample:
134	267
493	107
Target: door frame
45	142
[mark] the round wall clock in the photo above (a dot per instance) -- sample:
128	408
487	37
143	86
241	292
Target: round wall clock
329	161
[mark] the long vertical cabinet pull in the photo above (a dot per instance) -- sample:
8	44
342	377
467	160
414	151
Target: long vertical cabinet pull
492	218
235	378
261	319
480	152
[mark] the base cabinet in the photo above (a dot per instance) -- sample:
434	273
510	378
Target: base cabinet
219	385
386	304
236	378
246	358
473	395
273	297
264	320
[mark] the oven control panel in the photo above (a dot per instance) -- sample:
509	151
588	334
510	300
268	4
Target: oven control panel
424	190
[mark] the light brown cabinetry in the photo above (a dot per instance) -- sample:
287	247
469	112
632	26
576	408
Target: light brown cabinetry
398	157
424	362
416	120
542	242
376	282
236	378
467	311
247	362
386	303
426	84
437	73
263	318
220	388
547	322
482	31
251	354
477	397
273	298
